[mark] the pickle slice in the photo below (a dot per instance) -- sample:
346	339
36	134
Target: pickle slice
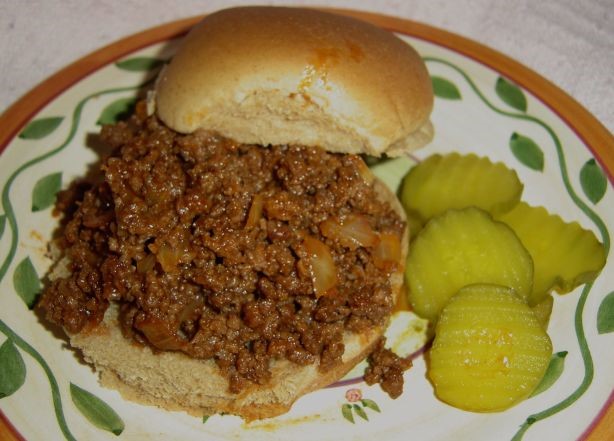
489	352
415	223
543	310
441	182
564	254
459	248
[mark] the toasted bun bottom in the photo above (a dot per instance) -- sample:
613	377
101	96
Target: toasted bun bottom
175	381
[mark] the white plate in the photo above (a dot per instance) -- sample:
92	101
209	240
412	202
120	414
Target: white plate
480	120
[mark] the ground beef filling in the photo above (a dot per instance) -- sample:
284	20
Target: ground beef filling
233	252
386	368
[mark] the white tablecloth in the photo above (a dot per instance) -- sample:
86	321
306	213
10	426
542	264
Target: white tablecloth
570	42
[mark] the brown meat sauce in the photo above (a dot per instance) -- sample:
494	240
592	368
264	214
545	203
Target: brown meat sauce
201	242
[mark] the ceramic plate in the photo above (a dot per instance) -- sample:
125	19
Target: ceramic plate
485	103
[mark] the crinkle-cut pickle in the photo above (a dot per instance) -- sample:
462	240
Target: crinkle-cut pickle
543	310
459	248
489	352
564	254
441	182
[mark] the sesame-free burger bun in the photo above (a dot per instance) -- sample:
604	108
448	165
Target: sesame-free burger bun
273	75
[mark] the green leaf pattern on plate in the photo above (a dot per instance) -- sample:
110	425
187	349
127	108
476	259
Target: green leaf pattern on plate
2	224
511	94
99	413
45	190
24	277
360	412
26	282
39	128
354	396
553	372
140	64
346	411
444	88
527	151
605	315
12	369
593	181
117	110
370	404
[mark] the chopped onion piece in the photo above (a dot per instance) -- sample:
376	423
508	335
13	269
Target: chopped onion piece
321	266
387	252
168	258
354	231
146	264
190	311
255	211
157	332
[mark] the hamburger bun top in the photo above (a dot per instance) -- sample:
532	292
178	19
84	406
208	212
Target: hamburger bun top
273	75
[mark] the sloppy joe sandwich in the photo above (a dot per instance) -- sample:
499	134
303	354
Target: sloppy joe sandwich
238	252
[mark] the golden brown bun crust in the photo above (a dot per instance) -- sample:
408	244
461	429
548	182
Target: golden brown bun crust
274	75
174	381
